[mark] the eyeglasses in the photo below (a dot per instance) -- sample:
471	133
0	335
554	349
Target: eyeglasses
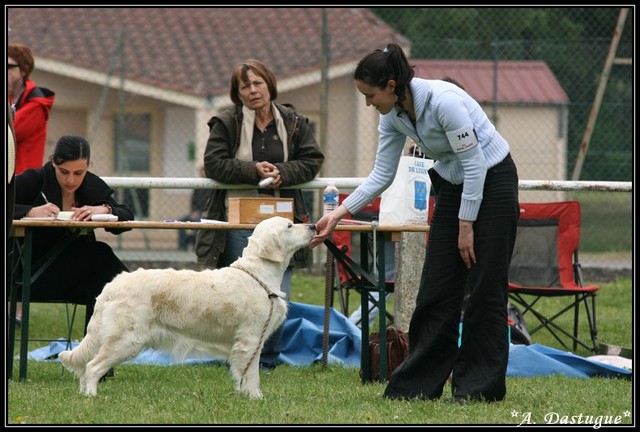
11	66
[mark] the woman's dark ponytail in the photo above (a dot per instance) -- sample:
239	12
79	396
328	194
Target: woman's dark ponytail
380	66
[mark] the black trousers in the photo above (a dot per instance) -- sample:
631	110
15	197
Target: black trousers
11	199
78	275
479	365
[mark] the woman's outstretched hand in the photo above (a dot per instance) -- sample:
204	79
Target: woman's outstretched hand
326	224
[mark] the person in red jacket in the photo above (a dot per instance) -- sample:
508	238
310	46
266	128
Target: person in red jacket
31	104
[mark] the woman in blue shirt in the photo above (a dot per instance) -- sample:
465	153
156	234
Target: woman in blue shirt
472	232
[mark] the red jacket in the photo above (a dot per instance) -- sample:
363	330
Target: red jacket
30	124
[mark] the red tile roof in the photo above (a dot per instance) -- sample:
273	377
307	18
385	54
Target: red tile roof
192	50
518	81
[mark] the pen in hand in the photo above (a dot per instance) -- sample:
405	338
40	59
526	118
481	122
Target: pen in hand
47	202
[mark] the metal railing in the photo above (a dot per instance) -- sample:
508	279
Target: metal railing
348	183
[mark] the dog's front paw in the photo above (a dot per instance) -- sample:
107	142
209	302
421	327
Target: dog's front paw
89	390
91	393
256	395
251	394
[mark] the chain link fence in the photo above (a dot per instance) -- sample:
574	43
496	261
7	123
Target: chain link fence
575	43
138	129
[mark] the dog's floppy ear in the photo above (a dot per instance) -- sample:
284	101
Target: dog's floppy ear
269	246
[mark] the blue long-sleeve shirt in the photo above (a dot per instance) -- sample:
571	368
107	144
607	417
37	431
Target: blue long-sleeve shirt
452	129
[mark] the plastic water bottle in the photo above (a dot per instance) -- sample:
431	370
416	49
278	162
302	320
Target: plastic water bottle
331	198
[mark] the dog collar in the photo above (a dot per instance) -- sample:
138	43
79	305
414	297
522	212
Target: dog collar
270	293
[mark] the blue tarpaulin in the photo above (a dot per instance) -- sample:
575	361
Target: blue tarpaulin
302	346
540	360
302	338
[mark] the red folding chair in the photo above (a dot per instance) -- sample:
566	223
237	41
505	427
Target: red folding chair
545	264
343	282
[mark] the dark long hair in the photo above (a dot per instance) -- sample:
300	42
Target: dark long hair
380	66
71	148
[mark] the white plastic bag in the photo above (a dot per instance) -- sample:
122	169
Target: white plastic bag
406	201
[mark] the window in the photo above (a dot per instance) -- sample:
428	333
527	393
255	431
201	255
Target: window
132	153
133	143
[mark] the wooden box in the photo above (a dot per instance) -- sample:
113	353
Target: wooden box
244	210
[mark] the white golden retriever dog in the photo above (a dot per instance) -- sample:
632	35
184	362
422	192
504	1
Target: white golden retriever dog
227	313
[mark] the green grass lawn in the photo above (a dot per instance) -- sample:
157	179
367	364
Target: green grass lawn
311	395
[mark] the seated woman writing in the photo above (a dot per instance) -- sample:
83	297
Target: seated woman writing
78	273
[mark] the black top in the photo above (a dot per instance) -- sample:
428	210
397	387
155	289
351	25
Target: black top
32	183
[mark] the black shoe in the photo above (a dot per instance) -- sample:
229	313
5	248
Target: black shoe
470	399
460	400
267	367
110	374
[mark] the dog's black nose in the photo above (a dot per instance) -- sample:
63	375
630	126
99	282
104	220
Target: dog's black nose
312	226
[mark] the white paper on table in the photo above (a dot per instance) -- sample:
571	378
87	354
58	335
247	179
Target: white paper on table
213	221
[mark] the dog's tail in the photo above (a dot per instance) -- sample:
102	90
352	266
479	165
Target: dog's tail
76	359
